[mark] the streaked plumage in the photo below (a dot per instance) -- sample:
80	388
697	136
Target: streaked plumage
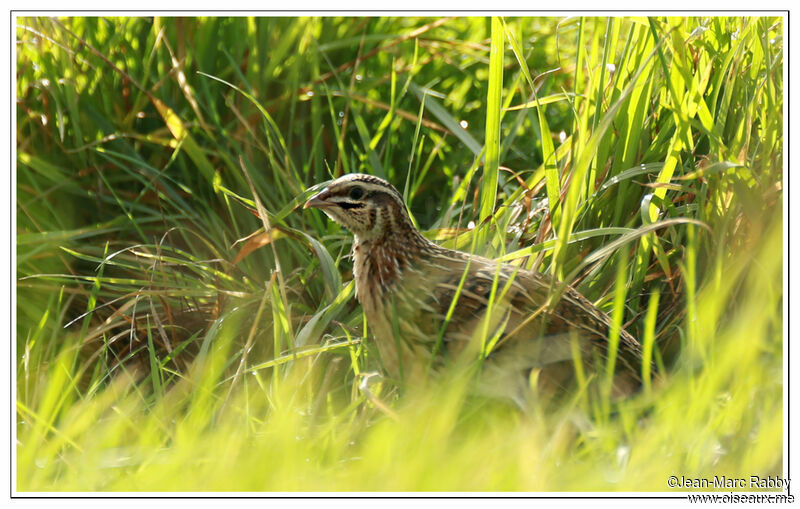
406	284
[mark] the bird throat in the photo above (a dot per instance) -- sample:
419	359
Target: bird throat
380	261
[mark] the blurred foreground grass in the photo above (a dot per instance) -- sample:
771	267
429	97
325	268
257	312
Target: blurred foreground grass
166	342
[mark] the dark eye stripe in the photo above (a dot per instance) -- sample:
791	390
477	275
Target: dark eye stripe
348	205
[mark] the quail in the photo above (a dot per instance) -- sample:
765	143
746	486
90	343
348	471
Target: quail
407	286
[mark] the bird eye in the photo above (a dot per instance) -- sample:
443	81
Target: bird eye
356	193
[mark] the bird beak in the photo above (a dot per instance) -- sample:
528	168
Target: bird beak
318	200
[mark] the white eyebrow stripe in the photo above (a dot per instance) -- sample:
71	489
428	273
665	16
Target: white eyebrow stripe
367	185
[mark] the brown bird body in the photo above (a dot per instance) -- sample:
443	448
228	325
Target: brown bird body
406	285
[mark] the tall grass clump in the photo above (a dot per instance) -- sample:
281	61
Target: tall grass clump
183	325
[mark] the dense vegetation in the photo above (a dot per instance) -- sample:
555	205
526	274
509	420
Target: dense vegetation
182	323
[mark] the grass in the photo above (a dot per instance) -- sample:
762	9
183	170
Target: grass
183	325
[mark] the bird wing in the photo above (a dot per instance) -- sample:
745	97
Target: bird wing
518	300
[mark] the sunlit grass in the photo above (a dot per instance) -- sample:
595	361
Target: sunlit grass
182	324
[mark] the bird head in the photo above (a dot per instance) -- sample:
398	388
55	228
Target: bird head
366	205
